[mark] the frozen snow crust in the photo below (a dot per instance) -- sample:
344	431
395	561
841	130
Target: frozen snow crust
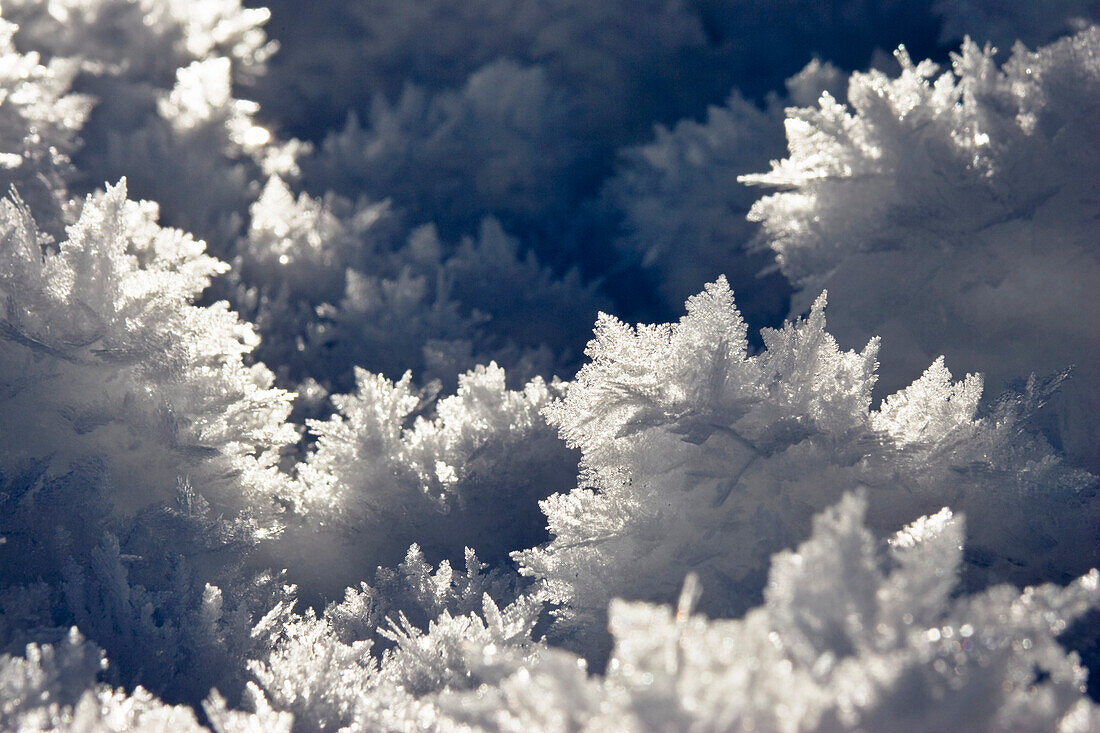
302	434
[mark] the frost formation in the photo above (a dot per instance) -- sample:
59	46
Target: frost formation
699	458
938	208
301	434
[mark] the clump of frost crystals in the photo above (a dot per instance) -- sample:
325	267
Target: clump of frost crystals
956	213
162	75
853	638
39	119
481	668
333	284
614	57
699	458
104	357
385	474
498	145
145	40
53	687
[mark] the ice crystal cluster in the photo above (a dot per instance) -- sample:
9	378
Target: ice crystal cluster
699	458
958	197
298	429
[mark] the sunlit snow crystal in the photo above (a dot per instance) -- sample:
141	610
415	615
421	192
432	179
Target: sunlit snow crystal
954	212
699	458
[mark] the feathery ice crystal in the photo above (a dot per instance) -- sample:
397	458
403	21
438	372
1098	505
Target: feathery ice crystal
697	457
470	475
333	285
955	213
104	356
